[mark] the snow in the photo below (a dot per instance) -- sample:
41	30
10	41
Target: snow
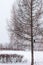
38	57
26	54
21	63
17	64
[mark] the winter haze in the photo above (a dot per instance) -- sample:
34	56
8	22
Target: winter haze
5	10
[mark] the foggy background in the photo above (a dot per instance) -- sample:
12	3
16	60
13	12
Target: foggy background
5	11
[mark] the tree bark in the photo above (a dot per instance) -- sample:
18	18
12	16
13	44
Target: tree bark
32	56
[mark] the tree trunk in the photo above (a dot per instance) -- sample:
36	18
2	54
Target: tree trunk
32	58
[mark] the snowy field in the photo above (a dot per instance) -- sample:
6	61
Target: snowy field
38	57
17	64
23	64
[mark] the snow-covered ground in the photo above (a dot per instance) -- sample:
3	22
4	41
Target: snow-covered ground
26	54
38	63
38	57
17	64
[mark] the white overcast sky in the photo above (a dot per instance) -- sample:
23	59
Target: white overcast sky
5	10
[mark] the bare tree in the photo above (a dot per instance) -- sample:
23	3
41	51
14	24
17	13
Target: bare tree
25	22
